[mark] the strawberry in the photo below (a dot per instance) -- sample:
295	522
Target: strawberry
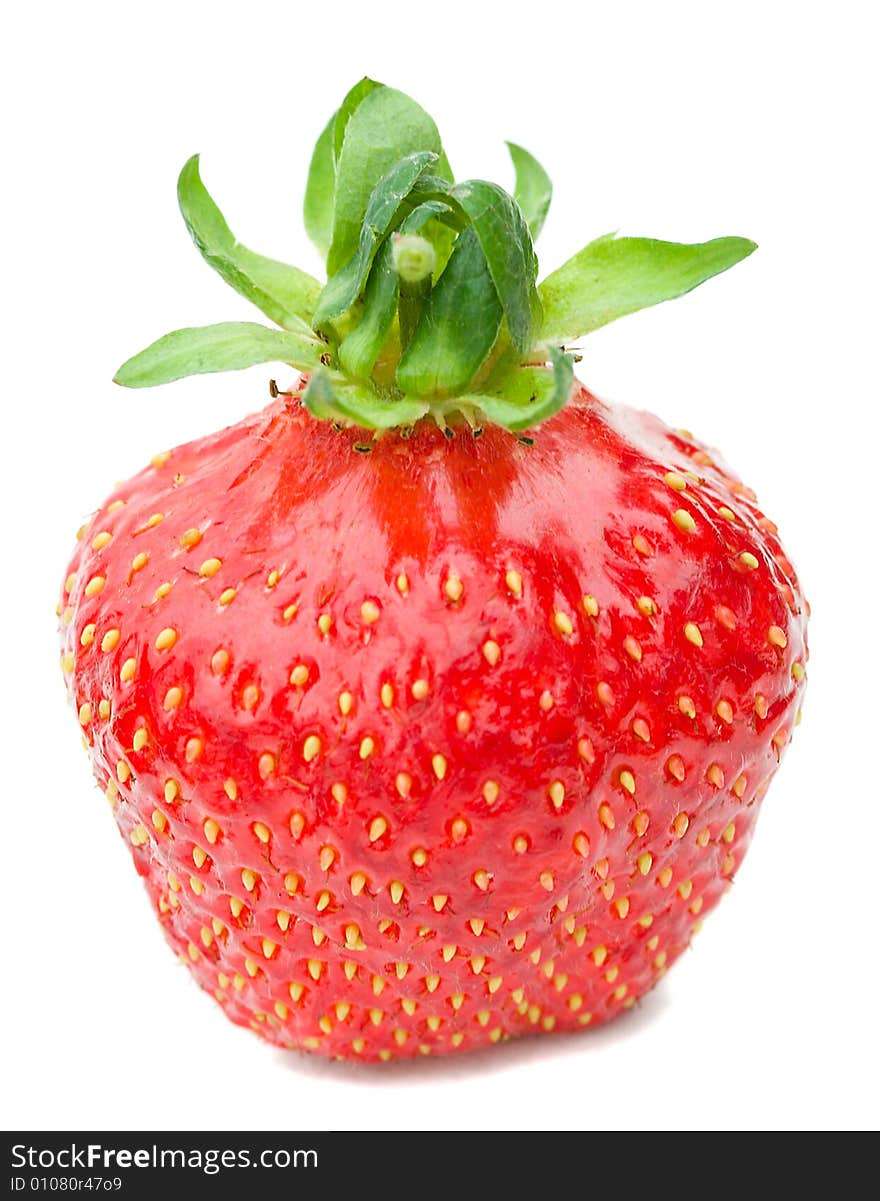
425	732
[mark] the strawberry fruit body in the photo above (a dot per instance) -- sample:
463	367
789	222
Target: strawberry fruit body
427	739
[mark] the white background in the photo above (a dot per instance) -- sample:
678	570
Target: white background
675	120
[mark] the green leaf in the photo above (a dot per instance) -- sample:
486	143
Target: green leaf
458	326
343	289
533	190
529	395
331	395
229	346
385	127
284	293
507	246
361	89
615	276
360	350
320	186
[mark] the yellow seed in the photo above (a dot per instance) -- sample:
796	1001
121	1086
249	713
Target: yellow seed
193	749
162	591
166	639
227	596
248	879
748	560
85	714
95	584
110	641
140	739
562	622
419	857
459	830
491	792
642	545
346	703
140	561
621	905
687	706
591	606
684	520
776	637
606	816
367	747
675	481
199	856
101	540
159	820
439	901
641	729
210	567
627	781
261	831
680	825
482	879
727	514
190	538
645	862
693	634
420	689
378	826
453	588
604	693
104	708
491	652
139	836
438	766
299	675
266	764
87	637
370	612
797	671
463	721
289	612
311	748
297	825
173	698
402	584
211	829
514	582
396	889
546	881
581	844
230	788
715	775
250	696
724	709
123	772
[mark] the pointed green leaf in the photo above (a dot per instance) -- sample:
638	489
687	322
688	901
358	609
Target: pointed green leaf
385	127
320	186
533	190
285	294
529	395
361	89
615	276
229	346
343	289
458	326
507	246
360	350
331	395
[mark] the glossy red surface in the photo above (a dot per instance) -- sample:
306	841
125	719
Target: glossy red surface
454	740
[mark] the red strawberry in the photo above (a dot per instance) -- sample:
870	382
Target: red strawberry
425	741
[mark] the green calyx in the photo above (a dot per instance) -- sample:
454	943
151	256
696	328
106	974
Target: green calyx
431	305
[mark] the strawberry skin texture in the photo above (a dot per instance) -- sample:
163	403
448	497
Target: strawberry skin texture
427	747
